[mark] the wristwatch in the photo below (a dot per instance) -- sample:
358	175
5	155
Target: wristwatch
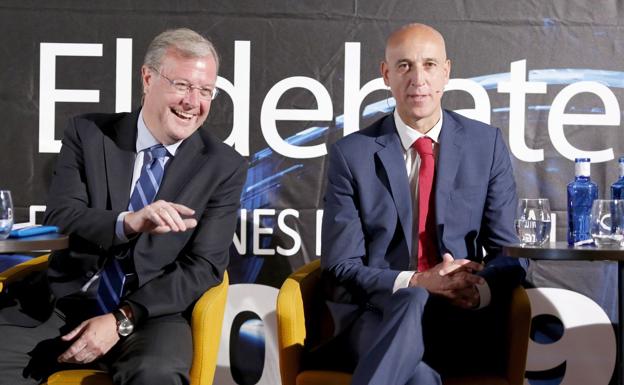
124	325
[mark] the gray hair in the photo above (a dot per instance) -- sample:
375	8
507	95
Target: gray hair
186	42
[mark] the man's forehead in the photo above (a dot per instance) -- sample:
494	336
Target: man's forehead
189	67
176	60
417	39
415	50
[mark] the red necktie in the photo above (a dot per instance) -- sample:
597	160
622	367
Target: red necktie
427	250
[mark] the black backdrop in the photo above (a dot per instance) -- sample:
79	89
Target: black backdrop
266	47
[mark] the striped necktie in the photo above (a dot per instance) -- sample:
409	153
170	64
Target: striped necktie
113	276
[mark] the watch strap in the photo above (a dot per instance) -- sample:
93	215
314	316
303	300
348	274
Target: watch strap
119	315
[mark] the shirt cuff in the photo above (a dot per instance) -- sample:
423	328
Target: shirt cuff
485	294
402	280
138	311
119	228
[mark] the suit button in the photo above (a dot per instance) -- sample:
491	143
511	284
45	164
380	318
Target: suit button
90	274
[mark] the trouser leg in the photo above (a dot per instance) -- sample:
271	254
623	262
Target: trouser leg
160	352
464	342
28	354
390	348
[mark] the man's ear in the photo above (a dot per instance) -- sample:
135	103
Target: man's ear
383	68
147	76
447	69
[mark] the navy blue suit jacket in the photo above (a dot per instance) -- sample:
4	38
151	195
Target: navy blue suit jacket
367	221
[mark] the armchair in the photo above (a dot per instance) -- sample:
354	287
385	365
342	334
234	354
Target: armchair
206	321
300	315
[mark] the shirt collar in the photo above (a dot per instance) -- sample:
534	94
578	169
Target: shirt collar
145	139
409	135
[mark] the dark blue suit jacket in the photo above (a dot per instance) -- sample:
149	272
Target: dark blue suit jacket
367	221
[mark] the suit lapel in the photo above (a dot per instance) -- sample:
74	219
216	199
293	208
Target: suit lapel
451	138
119	155
189	158
391	156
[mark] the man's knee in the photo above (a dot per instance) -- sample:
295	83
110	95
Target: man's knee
152	369
410	298
424	374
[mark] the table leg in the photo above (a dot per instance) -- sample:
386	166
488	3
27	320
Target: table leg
619	366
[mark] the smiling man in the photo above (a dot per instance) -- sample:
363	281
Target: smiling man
411	203
150	201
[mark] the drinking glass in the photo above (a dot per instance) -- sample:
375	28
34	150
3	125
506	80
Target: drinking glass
6	213
607	222
533	221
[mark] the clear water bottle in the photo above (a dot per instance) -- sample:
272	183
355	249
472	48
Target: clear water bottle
617	188
581	194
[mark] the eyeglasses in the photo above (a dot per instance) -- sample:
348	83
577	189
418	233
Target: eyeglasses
182	87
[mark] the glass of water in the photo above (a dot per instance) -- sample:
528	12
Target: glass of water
607	222
533	221
6	213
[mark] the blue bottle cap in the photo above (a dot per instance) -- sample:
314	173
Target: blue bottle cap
621	160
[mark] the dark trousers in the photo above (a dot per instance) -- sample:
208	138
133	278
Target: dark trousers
159	351
419	339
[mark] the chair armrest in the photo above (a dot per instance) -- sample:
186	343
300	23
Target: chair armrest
79	376
518	330
291	325
206	324
18	272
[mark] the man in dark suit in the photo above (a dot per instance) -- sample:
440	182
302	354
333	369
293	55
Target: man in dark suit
411	203
169	248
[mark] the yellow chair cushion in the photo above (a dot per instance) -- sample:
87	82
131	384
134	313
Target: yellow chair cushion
82	377
324	377
475	380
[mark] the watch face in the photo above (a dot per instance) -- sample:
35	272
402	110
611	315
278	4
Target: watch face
125	327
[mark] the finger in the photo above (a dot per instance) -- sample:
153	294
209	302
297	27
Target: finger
72	334
454	265
470	294
182	223
84	356
154	216
160	230
461	265
190	223
462	280
447	258
475	266
465	304
470	298
72	351
463	298
171	217
89	358
183	209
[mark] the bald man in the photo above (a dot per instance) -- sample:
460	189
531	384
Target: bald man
412	202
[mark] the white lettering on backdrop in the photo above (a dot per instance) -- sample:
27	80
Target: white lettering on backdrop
239	90
587	345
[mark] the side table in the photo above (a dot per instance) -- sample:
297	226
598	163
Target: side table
42	242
